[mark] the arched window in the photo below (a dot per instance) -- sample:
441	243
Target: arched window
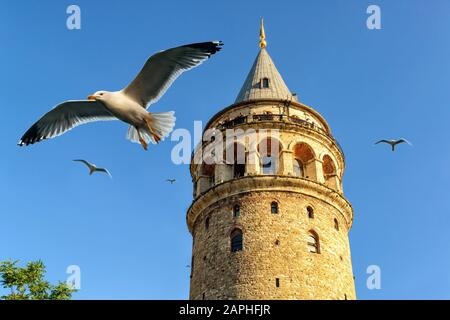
269	151
298	168
336	224
236	240
236	211
208	171
310	212
265	83
303	154
238	170
329	173
268	165
328	166
274	207
313	242
207	223
235	156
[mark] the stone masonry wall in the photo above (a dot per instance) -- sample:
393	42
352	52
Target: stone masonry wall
275	246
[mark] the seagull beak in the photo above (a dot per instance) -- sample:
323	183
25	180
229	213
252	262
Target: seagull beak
91	98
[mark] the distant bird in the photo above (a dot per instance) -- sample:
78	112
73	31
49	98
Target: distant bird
93	168
130	103
172	181
393	143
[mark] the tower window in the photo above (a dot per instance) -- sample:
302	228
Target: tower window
274	207
313	242
207	223
277	282
336	224
269	151
298	168
236	240
236	211
268	165
310	212
238	170
265	83
236	156
203	296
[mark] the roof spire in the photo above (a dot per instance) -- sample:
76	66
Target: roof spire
262	35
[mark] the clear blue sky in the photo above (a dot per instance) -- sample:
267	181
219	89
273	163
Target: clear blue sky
129	234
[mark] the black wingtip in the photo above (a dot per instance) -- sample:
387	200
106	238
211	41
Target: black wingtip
32	136
210	47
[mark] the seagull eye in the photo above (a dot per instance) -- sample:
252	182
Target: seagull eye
101	93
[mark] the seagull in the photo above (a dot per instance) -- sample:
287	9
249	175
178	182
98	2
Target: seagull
393	143
129	104
172	181
93	168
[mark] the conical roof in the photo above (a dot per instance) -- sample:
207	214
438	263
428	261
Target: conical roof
264	81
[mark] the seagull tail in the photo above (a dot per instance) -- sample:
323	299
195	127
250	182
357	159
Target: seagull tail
161	123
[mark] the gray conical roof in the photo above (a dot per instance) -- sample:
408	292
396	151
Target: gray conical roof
255	87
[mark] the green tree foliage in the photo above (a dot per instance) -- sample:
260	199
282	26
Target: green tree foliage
28	283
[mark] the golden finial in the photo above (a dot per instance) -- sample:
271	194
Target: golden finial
262	35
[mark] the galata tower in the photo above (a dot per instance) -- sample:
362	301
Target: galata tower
269	219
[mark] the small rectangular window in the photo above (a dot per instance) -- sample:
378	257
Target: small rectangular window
236	211
277	282
265	82
274	208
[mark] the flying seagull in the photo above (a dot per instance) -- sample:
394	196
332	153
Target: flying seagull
130	103
172	181
93	168
393	143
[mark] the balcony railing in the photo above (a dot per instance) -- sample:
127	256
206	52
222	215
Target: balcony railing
278	118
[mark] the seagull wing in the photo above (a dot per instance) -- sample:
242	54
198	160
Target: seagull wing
88	164
385	141
105	171
65	117
403	140
164	67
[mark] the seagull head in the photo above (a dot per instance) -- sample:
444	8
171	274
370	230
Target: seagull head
99	95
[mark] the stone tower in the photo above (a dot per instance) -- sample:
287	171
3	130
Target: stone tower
269	219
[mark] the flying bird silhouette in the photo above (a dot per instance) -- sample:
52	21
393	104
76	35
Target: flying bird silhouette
172	181
129	104
393	143
93	168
